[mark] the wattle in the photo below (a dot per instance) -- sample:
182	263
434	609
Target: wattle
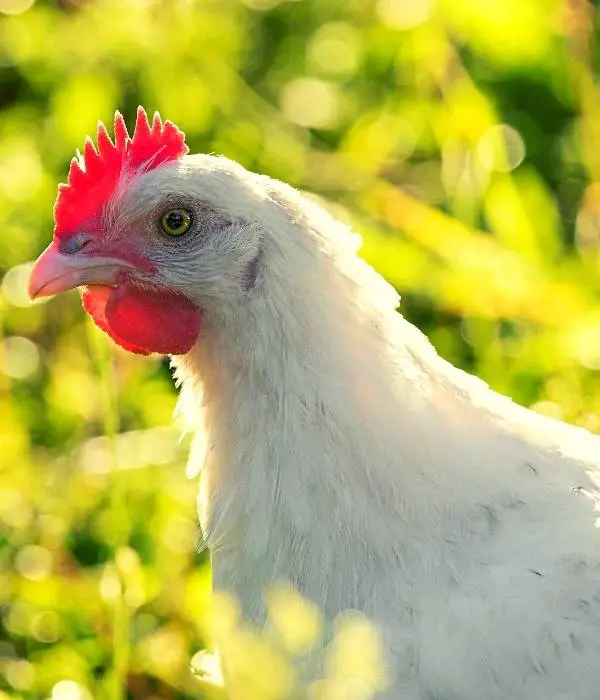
144	321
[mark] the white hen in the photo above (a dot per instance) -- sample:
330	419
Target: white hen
349	459
345	457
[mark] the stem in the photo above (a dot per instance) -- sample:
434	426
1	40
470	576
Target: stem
104	357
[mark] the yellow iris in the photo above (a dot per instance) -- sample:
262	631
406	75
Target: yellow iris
176	222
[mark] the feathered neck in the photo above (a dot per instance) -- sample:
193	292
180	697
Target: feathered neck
325	422
308	395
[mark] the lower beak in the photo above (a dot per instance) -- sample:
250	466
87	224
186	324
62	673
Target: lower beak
55	272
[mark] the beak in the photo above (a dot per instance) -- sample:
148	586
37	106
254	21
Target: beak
55	272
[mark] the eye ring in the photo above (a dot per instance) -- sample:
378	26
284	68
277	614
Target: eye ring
176	222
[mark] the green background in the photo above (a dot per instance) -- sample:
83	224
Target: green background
462	140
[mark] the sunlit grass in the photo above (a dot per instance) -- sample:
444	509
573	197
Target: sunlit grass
278	662
112	584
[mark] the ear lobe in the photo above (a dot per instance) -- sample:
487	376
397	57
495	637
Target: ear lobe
252	272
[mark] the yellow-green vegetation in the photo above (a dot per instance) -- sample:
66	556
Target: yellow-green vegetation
461	138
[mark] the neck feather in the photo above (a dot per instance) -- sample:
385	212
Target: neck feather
297	395
324	421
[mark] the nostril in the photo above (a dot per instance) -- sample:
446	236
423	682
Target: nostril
75	243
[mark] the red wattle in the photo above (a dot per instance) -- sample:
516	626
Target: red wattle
144	320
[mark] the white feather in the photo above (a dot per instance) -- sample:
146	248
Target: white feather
342	454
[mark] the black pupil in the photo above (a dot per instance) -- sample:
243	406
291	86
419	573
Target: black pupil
175	220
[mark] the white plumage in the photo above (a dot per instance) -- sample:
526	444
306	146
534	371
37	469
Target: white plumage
344	456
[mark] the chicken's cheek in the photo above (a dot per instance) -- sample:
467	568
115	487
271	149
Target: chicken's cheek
144	321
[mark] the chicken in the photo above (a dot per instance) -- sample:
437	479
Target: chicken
344	455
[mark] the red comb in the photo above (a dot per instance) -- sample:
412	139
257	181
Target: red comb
94	176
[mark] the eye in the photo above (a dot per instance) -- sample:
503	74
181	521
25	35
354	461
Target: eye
176	222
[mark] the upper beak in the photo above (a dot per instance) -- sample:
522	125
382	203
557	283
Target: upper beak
55	272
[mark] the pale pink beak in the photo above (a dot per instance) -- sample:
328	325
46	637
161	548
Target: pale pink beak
55	271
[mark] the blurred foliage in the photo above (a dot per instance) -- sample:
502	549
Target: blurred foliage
461	138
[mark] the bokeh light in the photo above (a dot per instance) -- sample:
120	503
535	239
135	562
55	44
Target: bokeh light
69	690
311	102
404	14
501	148
15	7
14	285
19	357
34	562
335	49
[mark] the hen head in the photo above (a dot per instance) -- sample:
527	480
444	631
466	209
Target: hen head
156	237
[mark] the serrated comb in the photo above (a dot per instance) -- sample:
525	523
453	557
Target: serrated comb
94	175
